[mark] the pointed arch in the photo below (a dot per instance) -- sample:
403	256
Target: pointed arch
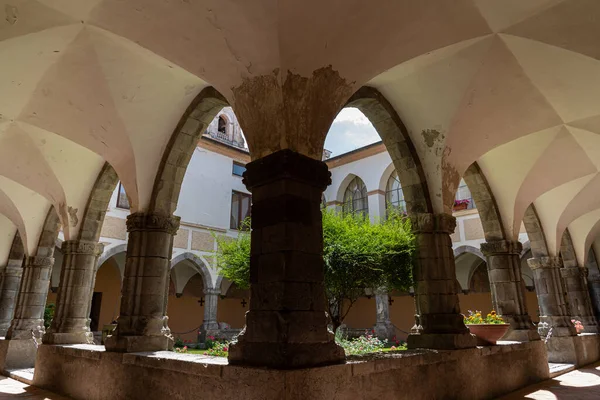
47	241
567	250
198	264
179	151
537	238
108	253
397	141
97	204
489	214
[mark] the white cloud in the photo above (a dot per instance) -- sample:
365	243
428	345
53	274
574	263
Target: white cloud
349	131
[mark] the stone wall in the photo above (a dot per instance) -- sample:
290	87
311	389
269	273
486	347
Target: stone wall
87	372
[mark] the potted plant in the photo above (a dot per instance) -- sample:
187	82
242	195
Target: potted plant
460	205
488	329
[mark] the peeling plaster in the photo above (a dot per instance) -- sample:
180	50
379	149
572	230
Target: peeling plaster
73	219
295	114
12	14
430	136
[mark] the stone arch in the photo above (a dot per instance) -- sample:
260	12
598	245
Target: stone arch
567	250
467	260
219	282
108	253
537	238
180	149
526	248
98	202
16	255
199	265
397	141
47	241
489	214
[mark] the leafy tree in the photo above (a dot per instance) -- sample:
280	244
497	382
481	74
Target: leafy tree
357	255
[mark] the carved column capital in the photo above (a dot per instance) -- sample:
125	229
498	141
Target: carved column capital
152	222
212	291
433	223
501	247
287	164
82	247
36	261
545	262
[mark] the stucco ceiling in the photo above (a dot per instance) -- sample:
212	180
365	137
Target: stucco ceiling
511	84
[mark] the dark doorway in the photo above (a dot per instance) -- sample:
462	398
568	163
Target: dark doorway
95	312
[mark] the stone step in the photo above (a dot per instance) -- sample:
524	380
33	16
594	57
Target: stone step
557	369
22	375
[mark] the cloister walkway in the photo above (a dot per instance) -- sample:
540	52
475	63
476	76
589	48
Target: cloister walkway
580	384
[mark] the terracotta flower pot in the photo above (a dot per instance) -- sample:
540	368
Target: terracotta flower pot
488	333
460	207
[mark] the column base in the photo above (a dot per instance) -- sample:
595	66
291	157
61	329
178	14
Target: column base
286	355
138	344
17	354
68	338
579	350
561	326
385	330
590	324
441	341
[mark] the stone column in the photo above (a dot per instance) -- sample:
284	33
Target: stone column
439	323
384	329
71	323
211	297
594	289
580	305
28	320
142	323
27	327
10	281
286	325
508	289
551	295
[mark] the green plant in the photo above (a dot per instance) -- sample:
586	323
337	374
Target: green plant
48	315
367	343
178	343
218	349
209	343
357	255
476	318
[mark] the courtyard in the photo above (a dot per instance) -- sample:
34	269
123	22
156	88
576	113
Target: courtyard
288	200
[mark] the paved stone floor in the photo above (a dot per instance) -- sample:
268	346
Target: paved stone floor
580	384
11	389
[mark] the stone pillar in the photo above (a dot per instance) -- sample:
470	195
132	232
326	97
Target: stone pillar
142	323
27	327
31	301
211	297
551	295
508	289
71	323
286	325
594	289
439	323
384	329
10	281
580	305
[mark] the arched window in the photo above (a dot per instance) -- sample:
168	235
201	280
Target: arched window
356	200
222	128
394	198
463	199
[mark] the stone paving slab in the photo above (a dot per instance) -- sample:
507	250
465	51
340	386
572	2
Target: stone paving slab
581	384
11	389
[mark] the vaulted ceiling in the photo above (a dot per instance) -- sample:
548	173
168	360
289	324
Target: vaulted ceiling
513	85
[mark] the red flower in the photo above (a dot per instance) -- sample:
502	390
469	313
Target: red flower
225	349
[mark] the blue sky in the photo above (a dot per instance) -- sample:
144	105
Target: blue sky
349	131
